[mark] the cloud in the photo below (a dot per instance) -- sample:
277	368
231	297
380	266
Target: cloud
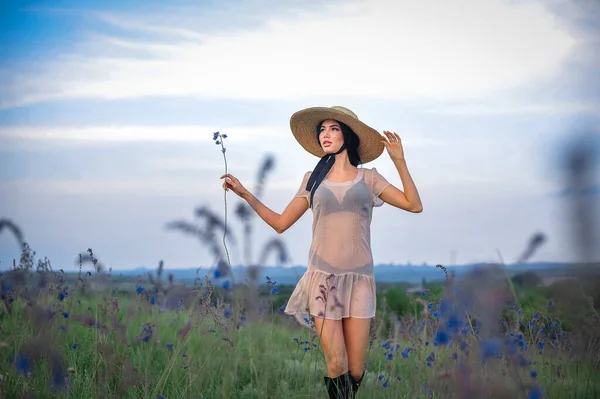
517	108
187	133
404	50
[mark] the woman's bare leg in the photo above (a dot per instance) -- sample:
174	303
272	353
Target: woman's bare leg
356	338
331	335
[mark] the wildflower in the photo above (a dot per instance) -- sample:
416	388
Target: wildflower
74	346
146	333
227	313
533	374
23	365
441	338
274	290
139	289
490	348
535	393
226	284
66	315
153	300
217	273
405	353
58	378
430	359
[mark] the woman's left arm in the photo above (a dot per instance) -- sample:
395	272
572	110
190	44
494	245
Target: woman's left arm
408	200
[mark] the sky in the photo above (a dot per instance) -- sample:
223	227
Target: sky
107	111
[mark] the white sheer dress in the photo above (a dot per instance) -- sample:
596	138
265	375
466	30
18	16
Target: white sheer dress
339	280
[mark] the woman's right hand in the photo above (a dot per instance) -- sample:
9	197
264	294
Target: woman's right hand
233	184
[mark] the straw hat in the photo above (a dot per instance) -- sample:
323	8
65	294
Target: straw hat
304	125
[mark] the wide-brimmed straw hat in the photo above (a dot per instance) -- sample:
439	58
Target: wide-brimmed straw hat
304	125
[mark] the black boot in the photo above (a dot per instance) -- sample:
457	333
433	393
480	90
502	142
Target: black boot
356	384
339	387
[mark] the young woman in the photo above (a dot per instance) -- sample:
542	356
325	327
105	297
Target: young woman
336	295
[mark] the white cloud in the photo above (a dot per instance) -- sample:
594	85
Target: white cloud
188	133
517	108
403	50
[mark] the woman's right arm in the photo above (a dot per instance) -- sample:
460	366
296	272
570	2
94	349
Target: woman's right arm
280	223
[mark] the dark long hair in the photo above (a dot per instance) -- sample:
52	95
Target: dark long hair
351	140
351	143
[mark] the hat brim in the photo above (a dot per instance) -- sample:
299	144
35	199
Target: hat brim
304	124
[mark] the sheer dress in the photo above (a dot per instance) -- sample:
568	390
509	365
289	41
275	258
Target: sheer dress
339	280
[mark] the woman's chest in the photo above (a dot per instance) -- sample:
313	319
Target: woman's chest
355	198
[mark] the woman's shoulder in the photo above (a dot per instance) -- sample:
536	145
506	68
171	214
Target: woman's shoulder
370	171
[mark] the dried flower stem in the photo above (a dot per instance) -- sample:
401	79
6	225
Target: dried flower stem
219	138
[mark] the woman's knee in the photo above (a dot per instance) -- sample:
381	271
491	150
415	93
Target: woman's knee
356	371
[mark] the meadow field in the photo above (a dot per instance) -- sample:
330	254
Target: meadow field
484	335
96	333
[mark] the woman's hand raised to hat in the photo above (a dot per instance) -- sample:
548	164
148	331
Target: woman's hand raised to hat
393	144
233	184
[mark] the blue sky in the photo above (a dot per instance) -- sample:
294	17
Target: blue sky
107	111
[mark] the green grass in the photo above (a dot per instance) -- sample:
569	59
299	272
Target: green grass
226	357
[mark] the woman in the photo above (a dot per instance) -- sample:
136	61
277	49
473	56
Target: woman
336	295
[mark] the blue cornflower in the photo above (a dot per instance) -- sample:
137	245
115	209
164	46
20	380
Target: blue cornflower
227	313
66	315
58	378
430	359
226	284
147	333
74	346
533	374
274	290
490	348
405	352
153	300
217	273
535	393
441	338
23	364
139	289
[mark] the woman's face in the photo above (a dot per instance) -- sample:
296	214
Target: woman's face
330	136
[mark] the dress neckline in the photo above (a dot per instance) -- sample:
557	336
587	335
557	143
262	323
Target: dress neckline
345	183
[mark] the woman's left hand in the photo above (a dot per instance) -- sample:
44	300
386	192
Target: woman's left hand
393	144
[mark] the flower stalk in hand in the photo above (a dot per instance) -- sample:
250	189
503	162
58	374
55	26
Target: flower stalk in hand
219	140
